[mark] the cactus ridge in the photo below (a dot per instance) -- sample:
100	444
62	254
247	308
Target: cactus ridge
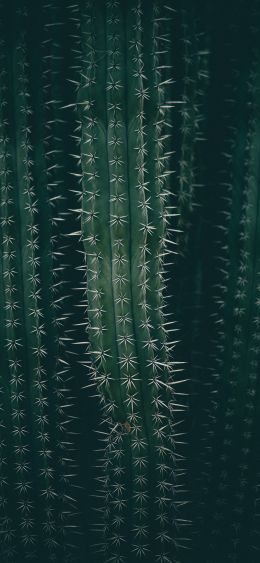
124	222
9	334
227	459
114	209
34	327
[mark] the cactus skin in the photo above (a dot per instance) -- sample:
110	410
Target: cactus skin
83	115
8	278
238	369
124	231
224	364
37	513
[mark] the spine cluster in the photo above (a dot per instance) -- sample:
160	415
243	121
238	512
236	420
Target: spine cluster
125	231
38	461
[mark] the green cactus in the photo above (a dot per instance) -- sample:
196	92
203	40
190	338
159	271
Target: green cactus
223	398
36	489
124	223
129	266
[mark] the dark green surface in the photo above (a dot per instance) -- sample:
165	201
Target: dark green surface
84	117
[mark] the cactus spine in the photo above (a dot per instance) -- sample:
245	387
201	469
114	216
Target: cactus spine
124	231
88	230
223	452
35	390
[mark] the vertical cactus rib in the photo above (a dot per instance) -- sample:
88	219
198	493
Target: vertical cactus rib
104	255
123	225
124	231
36	351
245	392
9	323
120	229
49	177
232	393
192	189
97	244
195	58
36	398
59	270
142	441
192	193
27	527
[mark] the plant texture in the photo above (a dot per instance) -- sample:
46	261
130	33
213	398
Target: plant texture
37	506
125	223
129	281
221	269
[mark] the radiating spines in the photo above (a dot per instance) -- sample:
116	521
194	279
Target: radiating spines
119	201
245	386
121	241
95	218
22	476
10	319
142	438
114	522
250	449
98	225
158	243
140	227
74	21
36	351
171	537
195	80
206	435
156	172
57	287
230	349
187	157
192	193
116	188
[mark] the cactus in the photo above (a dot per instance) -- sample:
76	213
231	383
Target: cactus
237	363
124	222
36	489
129	266
223	365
